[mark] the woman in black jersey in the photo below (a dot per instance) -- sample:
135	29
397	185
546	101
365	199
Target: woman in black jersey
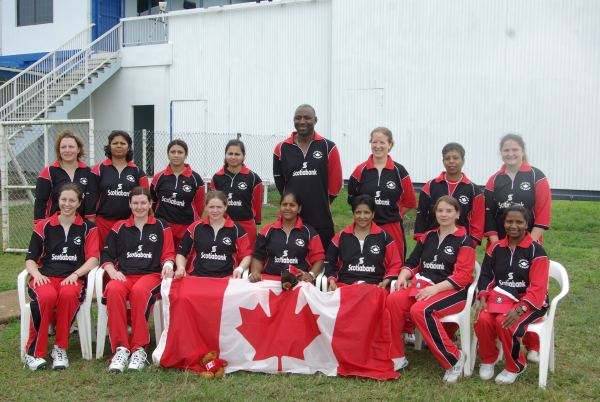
62	250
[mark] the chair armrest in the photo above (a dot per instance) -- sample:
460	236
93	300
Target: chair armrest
21	286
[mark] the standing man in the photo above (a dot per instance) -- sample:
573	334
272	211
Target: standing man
308	165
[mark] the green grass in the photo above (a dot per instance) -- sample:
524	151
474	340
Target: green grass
574	241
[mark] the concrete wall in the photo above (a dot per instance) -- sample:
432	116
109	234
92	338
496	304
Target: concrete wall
69	18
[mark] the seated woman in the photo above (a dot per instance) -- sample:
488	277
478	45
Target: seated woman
287	242
362	252
138	254
441	266
62	250
215	243
513	293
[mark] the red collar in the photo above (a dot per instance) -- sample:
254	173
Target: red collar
459	232
525	167
55	222
187	172
442	177
131	222
224	170
80	164
525	243
290	139
374	229
228	222
108	162
389	164
278	223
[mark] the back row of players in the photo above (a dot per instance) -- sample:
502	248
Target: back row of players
308	174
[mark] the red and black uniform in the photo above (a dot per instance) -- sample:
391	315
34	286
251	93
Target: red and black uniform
49	182
139	255
214	254
430	263
315	177
511	279
391	189
277	251
469	197
108	194
244	198
178	199
529	188
58	255
348	261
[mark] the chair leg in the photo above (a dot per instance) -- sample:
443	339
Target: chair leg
465	344
418	340
473	352
158	320
25	318
545	338
552	346
101	330
84	337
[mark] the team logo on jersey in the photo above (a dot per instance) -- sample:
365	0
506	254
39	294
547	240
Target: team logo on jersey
65	250
227	241
375	249
153	237
83	180
379	201
174	195
300	243
391	185
523	264
463	199
449	250
525	186
242	185
435	258
317	154
130	178
187	188
118	192
77	240
498	299
418	285
304	171
63	256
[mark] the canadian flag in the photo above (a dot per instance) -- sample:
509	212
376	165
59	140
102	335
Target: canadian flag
258	327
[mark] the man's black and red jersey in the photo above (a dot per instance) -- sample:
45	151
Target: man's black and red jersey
391	188
58	254
277	251
49	182
519	275
108	190
178	198
316	178
244	193
214	255
529	188
136	252
452	259
348	261
469	197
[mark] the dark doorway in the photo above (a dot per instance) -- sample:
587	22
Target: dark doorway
143	119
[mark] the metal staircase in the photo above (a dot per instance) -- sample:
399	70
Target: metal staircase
59	81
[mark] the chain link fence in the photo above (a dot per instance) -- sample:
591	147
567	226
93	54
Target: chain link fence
27	148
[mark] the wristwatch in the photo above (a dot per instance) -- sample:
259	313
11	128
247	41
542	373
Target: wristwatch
311	273
521	309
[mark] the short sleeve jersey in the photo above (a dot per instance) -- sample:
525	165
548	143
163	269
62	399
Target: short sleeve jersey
59	254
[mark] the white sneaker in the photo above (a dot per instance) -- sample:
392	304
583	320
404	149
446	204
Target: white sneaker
119	360
486	371
409	339
506	377
533	356
34	363
400	363
138	360
60	361
455	372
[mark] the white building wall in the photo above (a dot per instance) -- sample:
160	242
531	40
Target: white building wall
69	18
433	72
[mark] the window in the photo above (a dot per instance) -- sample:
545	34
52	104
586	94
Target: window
33	12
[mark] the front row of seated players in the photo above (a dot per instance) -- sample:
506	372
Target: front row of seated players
139	252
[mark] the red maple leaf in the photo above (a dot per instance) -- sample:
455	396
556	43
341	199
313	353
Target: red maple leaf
284	333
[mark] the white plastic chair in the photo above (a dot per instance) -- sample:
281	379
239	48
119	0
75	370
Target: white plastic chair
544	327
103	316
84	320
463	319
